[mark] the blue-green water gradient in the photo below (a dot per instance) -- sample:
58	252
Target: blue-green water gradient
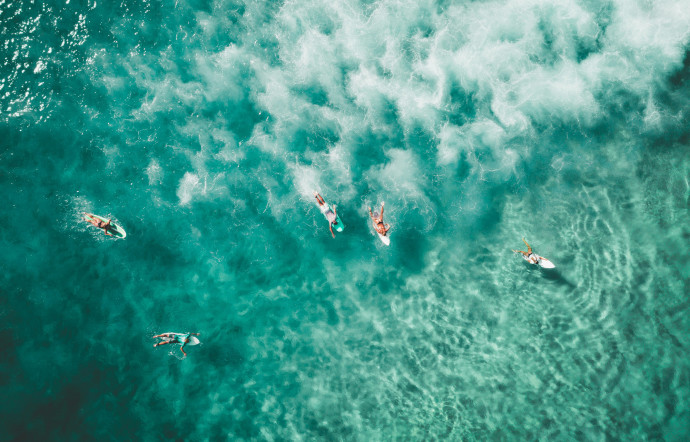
203	128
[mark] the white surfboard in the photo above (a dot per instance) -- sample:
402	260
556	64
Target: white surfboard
193	341
384	239
545	263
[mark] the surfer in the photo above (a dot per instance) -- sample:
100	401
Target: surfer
107	227
331	215
379	225
175	338
532	258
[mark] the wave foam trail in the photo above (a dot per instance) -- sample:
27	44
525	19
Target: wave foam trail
204	128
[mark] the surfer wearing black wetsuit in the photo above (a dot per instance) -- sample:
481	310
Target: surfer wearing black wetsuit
378	222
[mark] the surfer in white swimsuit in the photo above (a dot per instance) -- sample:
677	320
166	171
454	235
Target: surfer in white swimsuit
378	222
175	338
532	258
331	215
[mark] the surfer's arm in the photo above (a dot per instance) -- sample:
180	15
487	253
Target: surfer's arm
330	227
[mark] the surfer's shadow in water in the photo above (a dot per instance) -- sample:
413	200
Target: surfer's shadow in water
554	275
551	274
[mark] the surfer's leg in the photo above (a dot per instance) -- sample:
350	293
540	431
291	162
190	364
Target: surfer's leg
529	248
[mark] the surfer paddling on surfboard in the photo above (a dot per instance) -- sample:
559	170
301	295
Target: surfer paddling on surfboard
381	228
176	338
106	226
331	215
533	258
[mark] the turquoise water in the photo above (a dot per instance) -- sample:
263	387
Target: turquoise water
202	127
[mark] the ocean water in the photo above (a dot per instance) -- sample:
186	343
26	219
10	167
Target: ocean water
203	127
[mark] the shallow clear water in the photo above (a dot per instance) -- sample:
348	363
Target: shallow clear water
203	128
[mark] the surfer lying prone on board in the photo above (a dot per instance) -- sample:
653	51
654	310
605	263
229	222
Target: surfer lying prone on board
378	222
533	258
331	215
107	227
175	338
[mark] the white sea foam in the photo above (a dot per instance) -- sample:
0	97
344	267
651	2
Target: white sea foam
520	63
563	96
186	189
307	180
201	187
154	172
222	74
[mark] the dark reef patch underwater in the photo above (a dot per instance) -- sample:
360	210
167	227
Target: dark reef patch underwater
203	128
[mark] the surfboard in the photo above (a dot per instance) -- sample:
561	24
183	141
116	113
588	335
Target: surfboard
384	239
193	340
338	225
116	231
543	262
